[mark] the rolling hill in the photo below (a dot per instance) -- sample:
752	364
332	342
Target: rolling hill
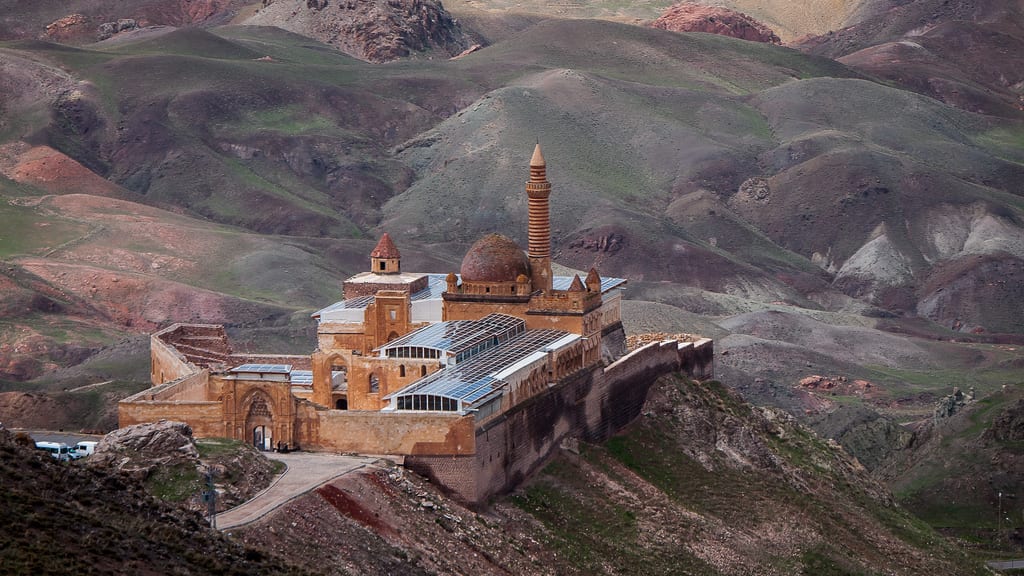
823	212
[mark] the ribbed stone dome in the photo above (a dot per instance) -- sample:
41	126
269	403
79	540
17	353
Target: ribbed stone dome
494	258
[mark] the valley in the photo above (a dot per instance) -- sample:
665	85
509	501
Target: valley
842	213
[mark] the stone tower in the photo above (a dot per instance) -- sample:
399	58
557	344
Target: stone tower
539	251
385	258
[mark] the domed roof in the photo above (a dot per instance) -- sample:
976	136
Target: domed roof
494	258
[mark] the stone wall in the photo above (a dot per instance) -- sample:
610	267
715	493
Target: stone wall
298	362
200	344
408	433
591	405
166	363
183	400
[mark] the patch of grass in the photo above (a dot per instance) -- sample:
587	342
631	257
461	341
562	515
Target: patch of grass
175	483
27	231
594	534
210	447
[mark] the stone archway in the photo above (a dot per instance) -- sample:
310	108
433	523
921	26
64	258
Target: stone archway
259	421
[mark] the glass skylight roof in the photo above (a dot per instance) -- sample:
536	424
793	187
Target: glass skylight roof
563	283
459	336
263	368
477	379
301	377
438	283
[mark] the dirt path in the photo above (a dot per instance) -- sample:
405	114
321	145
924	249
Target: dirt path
306	471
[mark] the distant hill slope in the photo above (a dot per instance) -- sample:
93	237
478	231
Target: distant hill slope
966	53
743	169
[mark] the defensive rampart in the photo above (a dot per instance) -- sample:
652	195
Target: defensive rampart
591	405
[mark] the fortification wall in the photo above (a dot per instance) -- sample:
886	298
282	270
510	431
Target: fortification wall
166	363
591	405
409	433
183	400
191	387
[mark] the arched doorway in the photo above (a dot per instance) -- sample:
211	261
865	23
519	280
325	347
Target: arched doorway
259	422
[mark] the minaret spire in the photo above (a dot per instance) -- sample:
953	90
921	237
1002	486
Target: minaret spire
538	189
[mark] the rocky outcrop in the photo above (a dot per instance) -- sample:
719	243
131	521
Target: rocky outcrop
108	29
68	28
687	17
141	448
372	30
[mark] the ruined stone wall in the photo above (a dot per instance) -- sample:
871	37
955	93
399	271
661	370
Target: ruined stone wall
200	344
166	363
697	359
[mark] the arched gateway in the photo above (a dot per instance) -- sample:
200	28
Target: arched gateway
259	422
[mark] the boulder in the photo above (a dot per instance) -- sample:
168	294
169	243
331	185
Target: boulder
141	448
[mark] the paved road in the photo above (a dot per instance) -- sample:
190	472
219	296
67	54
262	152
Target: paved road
306	471
1006	564
68	438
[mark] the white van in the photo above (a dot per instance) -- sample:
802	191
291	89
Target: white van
58	450
86	448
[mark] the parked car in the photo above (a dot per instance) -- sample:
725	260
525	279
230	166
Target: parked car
85	448
59	450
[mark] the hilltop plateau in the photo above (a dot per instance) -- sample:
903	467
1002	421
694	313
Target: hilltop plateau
843	215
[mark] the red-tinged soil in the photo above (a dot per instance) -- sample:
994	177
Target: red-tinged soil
53	171
687	17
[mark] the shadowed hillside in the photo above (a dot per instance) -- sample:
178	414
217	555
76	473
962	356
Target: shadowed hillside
62	518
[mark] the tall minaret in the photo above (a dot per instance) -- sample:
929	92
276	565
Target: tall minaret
537	190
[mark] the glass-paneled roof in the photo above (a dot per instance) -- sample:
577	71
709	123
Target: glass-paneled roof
301	377
437	284
456	336
263	368
476	378
563	283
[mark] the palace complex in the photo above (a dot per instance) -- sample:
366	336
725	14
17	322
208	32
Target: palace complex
474	378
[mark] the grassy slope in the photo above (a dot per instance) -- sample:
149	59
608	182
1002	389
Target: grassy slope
696	483
952	477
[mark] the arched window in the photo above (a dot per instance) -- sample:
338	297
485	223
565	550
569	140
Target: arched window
401	370
423	370
374	383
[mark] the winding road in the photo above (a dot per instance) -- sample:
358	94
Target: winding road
306	471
